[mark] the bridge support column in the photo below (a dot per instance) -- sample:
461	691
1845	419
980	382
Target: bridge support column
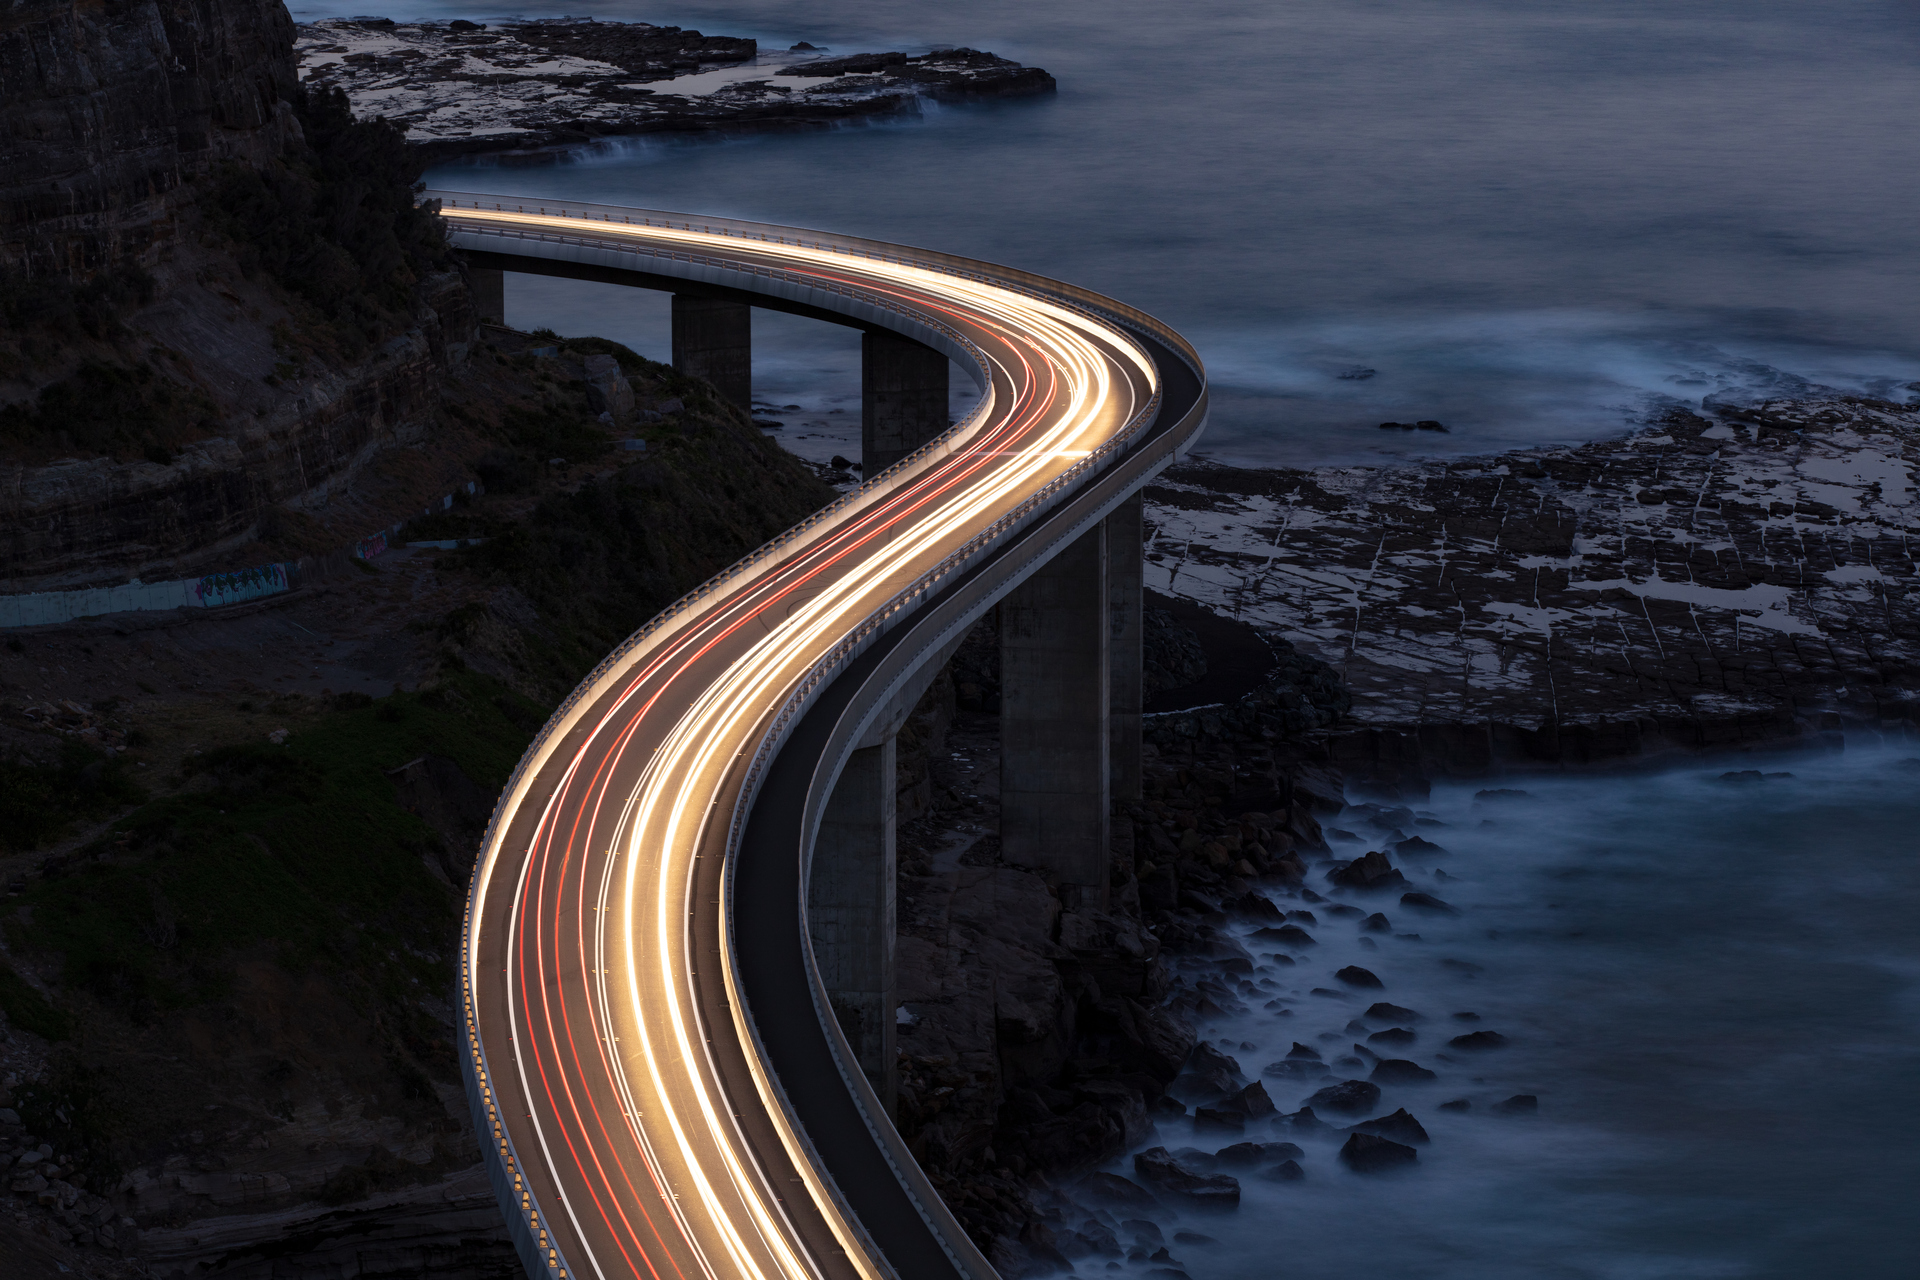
850	911
489	294
714	340
1055	690
903	398
1126	532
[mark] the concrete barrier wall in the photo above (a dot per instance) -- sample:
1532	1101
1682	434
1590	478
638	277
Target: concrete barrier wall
46	608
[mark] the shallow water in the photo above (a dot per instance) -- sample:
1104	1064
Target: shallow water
1709	986
1533	221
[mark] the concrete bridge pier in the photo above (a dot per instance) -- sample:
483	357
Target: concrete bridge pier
489	294
851	912
1056	687
903	398
713	339
1126	539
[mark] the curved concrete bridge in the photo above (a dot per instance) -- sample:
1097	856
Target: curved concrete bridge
678	951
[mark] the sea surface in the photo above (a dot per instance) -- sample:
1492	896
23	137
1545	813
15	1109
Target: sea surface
1537	223
1709	986
1534	221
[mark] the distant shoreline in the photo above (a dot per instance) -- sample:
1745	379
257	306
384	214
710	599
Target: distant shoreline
528	91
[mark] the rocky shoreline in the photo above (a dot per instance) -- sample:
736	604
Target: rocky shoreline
1710	583
528	89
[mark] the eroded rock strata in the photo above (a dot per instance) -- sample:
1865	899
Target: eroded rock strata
1708	583
528	86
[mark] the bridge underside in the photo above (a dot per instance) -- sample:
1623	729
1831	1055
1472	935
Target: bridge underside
1070	661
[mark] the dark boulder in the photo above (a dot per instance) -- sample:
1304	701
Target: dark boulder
1349	1097
1251	1101
1286	935
1458	1104
1295	1069
1520	1104
1367	1153
1369	873
1250	1153
1158	1168
1354	976
1285	1171
1384	1012
1416	847
1253	906
1218	1120
1427	902
1399	1126
1401	1071
1303	1051
1393	1036
1478	1040
1114	1189
1306	1124
1304	917
1377	923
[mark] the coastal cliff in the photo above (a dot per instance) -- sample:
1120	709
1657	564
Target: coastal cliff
217	301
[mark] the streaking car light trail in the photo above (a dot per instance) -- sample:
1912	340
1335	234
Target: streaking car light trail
615	1057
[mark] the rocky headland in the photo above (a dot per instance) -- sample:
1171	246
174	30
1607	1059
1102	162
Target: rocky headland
527	88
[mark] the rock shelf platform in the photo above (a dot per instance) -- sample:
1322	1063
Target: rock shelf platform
1703	584
536	87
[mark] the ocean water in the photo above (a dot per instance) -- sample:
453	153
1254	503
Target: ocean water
1710	988
1535	222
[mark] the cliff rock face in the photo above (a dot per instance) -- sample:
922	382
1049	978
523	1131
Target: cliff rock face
108	110
79	521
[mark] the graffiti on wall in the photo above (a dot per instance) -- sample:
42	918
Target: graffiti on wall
217	589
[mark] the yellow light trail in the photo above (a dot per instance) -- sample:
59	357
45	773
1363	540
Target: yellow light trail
602	983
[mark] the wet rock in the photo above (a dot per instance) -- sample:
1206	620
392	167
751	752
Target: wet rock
1368	1153
1251	1101
1476	1041
1520	1104
1377	923
1400	1126
1218	1120
1427	902
1369	873
1384	1012
1743	775
1114	1189
1355	1027
1193	1238
1342	909
1253	906
1401	1071
1417	847
1285	1171
1328	993
1466	1015
1157	1167
1210	1070
1303	917
1458	1104
1467	967
1296	1069
1303	1051
1099	1238
1397	1037
1306	1124
1286	935
1354	976
1144	1232
1349	1097
1251	1153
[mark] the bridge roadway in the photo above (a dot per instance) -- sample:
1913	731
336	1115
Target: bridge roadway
653	1068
